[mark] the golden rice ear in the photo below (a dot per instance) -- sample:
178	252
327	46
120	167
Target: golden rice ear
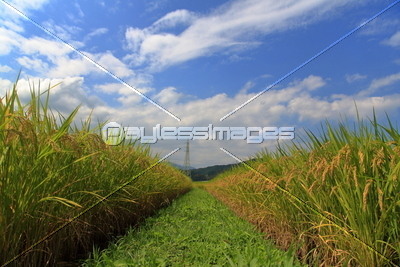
365	193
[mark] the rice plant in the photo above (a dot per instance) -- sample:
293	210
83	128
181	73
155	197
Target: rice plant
337	195
55	177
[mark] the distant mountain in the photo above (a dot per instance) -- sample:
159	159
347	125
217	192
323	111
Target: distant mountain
208	173
180	166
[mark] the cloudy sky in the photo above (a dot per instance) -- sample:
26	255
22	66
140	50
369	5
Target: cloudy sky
200	60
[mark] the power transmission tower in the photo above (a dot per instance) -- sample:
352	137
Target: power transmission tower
187	160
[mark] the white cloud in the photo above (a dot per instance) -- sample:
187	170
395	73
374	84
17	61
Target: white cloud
246	87
5	85
172	19
314	109
24	5
33	64
308	108
61	61
113	64
65	66
13	26
394	40
236	58
111	88
130	99
53	59
266	76
135	37
78	8
311	83
354	77
64	61
5	68
153	5
8	41
235	25
97	32
379	26
67	33
11	18
168	96
379	83
52	49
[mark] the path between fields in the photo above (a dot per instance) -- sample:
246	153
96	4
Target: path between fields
195	230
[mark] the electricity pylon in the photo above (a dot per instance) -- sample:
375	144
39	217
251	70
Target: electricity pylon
186	165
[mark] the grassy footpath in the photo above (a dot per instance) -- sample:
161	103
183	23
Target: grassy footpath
195	230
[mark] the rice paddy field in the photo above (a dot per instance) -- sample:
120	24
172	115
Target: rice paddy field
336	196
330	200
62	189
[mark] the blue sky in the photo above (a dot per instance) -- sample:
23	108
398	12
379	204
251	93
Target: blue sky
202	59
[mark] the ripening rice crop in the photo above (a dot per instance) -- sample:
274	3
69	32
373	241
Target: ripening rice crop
335	197
62	188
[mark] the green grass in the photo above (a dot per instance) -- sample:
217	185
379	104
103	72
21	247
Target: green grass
52	171
195	230
336	196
